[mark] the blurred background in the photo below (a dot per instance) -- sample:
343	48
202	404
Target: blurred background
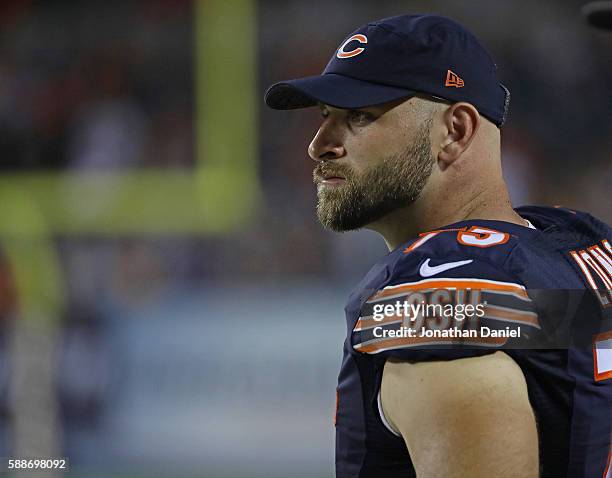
159	247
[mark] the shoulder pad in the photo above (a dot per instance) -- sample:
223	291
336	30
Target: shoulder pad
472	242
453	298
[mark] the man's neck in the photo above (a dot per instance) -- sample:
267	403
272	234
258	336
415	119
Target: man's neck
427	215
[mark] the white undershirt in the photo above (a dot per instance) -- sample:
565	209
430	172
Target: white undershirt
529	225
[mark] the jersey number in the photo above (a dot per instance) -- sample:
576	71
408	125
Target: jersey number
475	236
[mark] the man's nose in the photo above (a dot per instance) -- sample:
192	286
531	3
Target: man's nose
326	145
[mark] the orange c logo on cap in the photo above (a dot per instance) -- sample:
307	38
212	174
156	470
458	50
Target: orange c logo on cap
348	54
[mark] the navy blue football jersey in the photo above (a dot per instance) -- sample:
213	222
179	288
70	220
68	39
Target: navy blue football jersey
542	294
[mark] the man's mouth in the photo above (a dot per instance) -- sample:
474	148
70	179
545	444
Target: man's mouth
332	180
329	178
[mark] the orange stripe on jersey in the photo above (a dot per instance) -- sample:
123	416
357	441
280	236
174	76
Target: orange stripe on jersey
592	261
584	269
428	284
511	315
608	471
403	342
426	236
604	259
422	240
367	322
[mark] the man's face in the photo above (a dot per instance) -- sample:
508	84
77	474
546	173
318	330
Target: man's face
371	162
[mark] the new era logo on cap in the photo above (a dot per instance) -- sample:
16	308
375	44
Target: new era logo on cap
453	79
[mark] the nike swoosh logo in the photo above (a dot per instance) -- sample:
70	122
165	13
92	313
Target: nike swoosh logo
427	271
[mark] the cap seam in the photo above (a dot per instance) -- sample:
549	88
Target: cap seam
442	27
402	36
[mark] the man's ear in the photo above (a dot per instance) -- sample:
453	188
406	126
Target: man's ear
462	121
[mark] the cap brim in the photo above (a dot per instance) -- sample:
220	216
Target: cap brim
331	89
599	14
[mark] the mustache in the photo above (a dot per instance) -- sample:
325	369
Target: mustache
323	170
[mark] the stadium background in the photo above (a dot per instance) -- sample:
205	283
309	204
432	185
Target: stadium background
169	305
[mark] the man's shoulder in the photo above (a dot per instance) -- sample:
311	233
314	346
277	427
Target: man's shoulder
536	253
535	256
478	249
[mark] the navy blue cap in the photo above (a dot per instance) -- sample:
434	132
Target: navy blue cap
400	57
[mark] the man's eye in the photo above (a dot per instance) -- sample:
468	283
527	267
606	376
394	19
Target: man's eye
359	117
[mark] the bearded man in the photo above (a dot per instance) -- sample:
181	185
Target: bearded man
409	146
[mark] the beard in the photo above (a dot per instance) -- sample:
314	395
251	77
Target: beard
393	183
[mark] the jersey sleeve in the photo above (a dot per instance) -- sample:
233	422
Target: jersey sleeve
447	310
